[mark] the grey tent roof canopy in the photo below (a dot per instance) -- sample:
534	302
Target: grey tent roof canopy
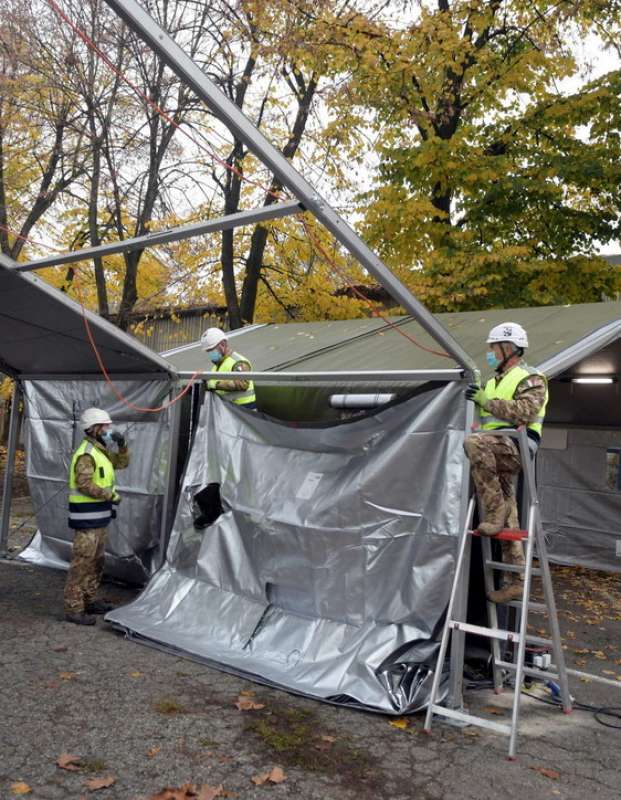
43	335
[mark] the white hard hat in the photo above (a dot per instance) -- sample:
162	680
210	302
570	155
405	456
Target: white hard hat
508	332
94	416
212	338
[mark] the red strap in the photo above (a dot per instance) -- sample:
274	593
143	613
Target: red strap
508	535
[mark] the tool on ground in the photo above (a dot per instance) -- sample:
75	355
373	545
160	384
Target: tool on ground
534	539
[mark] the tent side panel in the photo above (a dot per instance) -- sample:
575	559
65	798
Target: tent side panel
579	477
52	432
329	571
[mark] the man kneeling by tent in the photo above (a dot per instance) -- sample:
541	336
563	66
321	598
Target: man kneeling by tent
92	495
516	395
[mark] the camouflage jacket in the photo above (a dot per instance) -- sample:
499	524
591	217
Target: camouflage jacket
85	467
529	396
237	385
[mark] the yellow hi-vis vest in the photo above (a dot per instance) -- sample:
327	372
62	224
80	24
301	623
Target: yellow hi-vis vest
505	390
86	511
226	365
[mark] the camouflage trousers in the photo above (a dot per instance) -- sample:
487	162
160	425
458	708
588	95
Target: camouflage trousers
85	570
495	462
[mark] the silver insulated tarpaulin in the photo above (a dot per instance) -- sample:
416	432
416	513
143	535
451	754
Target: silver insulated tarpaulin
329	571
52	432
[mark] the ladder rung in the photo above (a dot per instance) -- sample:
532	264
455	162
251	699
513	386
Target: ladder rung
538	608
490	633
507	535
539	640
532	671
453	713
510	567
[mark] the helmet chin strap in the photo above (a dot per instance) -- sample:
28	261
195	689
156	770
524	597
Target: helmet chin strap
507	358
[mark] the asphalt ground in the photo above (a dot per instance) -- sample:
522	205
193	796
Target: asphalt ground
142	720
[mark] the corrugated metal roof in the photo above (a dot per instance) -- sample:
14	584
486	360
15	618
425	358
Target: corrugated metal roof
371	344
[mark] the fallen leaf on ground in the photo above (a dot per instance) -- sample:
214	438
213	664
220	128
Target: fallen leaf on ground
185	792
153	751
547	773
246	704
493	710
93	784
402	723
67	676
20	787
328	739
609	672
136	674
60	648
275	776
207	792
247	693
68	762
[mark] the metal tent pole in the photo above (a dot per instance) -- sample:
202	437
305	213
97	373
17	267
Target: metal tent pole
253	217
458	641
168	505
227	112
7	490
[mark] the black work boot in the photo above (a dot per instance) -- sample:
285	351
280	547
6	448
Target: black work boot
99	607
80	619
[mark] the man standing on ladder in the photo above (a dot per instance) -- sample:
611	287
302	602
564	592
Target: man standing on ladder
92	495
517	395
224	359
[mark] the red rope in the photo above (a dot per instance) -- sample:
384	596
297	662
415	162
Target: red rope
314	241
118	394
329	260
100	362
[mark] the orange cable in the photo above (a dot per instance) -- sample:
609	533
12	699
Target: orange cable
98	356
327	258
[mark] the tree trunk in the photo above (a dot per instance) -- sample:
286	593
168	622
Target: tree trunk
254	261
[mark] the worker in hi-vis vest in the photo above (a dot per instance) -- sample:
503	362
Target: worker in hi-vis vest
92	497
516	395
224	359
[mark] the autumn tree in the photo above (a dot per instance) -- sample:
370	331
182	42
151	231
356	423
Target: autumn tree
498	162
42	140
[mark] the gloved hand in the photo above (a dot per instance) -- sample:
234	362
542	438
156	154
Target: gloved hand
118	438
116	498
475	393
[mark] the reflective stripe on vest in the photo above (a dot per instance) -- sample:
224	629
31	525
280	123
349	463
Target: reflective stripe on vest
505	390
86	511
226	365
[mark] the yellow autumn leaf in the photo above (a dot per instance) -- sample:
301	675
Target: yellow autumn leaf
402	723
20	787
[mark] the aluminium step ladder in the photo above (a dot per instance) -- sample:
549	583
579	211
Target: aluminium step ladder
534	537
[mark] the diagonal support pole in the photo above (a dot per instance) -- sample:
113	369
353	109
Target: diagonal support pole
227	112
252	217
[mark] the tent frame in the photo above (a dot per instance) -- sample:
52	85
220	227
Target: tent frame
306	199
164	237
7	488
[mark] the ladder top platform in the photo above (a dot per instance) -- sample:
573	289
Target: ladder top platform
508	535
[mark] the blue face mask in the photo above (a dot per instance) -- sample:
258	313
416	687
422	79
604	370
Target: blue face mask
215	356
491	359
106	438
